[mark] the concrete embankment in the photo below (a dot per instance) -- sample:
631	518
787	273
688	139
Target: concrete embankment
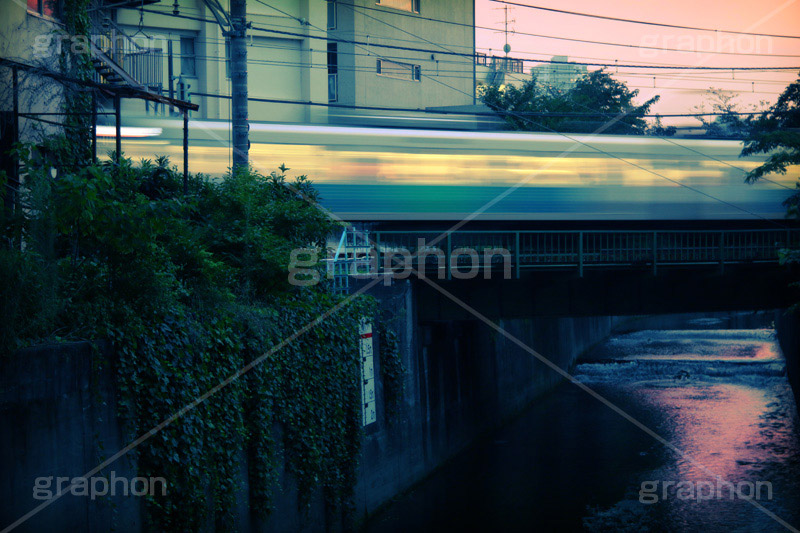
787	326
462	379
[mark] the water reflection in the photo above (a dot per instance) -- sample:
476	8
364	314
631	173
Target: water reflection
569	463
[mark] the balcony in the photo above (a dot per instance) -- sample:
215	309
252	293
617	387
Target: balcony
118	59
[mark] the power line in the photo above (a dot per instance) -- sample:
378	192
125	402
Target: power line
683	75
540	125
552	61
640	167
570	39
417	36
448	73
543	54
617	118
462	74
409	33
474	55
671	141
392	26
494	114
647	23
605	60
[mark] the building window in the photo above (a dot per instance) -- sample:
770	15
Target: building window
188	58
405	5
333	72
400	71
332	9
48	8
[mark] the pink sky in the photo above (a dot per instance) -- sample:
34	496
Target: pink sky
677	95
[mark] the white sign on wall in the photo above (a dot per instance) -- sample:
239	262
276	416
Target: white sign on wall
367	372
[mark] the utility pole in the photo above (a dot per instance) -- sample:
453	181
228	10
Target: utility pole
239	123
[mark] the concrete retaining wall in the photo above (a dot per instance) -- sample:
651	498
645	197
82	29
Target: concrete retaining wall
58	419
787	326
462	380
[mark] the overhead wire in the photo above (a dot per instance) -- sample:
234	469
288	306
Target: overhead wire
474	55
541	125
672	141
646	23
559	38
683	75
605	152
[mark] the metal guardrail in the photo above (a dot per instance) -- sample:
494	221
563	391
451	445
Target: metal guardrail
589	249
439	254
352	257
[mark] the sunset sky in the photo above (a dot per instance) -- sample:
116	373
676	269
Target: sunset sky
680	91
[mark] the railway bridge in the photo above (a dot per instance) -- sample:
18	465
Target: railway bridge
522	273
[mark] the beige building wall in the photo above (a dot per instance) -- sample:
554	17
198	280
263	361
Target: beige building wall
29	38
291	62
445	79
288	66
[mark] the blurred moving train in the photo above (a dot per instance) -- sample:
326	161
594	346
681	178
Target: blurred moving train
384	174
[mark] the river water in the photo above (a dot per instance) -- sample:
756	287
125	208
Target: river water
719	397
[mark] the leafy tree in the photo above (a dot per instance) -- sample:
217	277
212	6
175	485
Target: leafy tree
730	124
777	132
659	130
584	108
518	106
187	290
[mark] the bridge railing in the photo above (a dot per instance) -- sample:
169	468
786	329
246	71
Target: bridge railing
439	254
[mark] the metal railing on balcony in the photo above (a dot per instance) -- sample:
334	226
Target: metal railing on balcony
503	64
143	64
439	255
351	257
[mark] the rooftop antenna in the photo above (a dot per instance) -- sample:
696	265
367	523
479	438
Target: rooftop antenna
506	47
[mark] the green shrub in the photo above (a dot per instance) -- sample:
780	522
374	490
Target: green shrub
190	289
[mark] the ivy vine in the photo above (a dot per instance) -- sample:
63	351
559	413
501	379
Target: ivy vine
392	369
189	289
75	62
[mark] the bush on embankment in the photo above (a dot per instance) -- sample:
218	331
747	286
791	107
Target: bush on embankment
189	289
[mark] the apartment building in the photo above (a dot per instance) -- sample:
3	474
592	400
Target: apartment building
560	75
401	53
413	54
287	55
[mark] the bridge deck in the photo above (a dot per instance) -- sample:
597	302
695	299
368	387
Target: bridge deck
512	254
